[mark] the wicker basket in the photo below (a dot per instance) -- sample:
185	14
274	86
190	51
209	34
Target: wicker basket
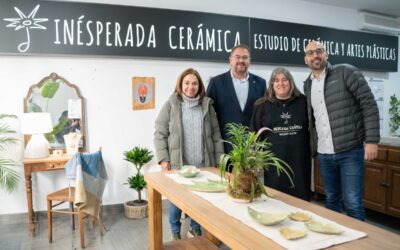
135	212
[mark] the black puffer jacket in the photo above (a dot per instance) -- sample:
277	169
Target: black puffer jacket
352	109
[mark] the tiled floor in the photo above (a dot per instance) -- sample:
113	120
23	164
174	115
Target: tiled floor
121	233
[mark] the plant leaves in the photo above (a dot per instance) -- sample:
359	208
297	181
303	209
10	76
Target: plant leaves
49	88
33	107
138	156
9	176
250	154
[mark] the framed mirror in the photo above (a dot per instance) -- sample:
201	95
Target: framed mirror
63	100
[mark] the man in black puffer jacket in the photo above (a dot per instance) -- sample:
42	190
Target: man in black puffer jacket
344	113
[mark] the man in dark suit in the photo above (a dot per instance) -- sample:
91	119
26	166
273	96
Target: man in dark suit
235	91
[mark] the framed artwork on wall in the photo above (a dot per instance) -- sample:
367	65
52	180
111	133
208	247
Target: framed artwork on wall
143	93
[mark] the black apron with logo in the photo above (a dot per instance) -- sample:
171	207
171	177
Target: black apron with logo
289	140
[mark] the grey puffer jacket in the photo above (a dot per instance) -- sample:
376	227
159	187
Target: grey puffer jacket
352	109
168	135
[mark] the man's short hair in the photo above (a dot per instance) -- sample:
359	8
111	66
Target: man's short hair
241	45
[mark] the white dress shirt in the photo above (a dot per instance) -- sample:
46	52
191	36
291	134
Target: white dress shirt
325	142
241	89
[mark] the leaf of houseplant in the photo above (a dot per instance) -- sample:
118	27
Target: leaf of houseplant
250	155
137	182
138	156
9	177
6	140
33	107
49	88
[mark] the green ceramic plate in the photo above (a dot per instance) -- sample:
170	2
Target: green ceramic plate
291	233
321	227
188	171
266	218
300	216
210	186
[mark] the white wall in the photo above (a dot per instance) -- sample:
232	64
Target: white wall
106	85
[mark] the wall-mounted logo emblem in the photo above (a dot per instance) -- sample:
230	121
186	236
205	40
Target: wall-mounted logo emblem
27	23
286	116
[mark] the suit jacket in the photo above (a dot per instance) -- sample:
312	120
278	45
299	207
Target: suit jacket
226	103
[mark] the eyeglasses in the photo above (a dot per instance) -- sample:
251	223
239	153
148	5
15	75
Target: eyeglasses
244	58
318	51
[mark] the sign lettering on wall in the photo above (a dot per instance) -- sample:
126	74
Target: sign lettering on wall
60	28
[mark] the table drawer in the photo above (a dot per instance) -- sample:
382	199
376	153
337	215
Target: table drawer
54	165
394	155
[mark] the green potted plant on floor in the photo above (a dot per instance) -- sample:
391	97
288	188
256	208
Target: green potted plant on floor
9	176
138	156
248	159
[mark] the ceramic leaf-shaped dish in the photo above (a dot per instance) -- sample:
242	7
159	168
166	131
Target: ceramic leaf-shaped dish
300	216
188	171
291	233
209	186
323	227
266	218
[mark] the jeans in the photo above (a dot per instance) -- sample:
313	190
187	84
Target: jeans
343	177
175	219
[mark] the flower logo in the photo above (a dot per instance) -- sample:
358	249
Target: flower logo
286	116
27	22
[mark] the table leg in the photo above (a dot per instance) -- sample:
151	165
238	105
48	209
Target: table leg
155	219
28	185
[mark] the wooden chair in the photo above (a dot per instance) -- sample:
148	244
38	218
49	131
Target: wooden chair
68	195
61	196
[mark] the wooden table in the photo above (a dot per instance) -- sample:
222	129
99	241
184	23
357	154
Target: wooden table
234	233
39	165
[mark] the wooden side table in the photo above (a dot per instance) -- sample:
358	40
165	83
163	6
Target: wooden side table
50	163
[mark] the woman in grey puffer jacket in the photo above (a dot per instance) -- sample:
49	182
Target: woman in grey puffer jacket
187	133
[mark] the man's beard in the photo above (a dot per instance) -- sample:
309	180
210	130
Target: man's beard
321	65
241	68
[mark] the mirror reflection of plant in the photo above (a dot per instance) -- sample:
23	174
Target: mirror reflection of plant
138	157
58	132
251	156
33	107
394	112
9	177
49	89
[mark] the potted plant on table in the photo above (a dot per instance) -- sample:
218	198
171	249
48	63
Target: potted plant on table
138	156
248	159
9	177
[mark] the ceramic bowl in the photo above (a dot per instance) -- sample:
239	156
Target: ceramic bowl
266	218
189	171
